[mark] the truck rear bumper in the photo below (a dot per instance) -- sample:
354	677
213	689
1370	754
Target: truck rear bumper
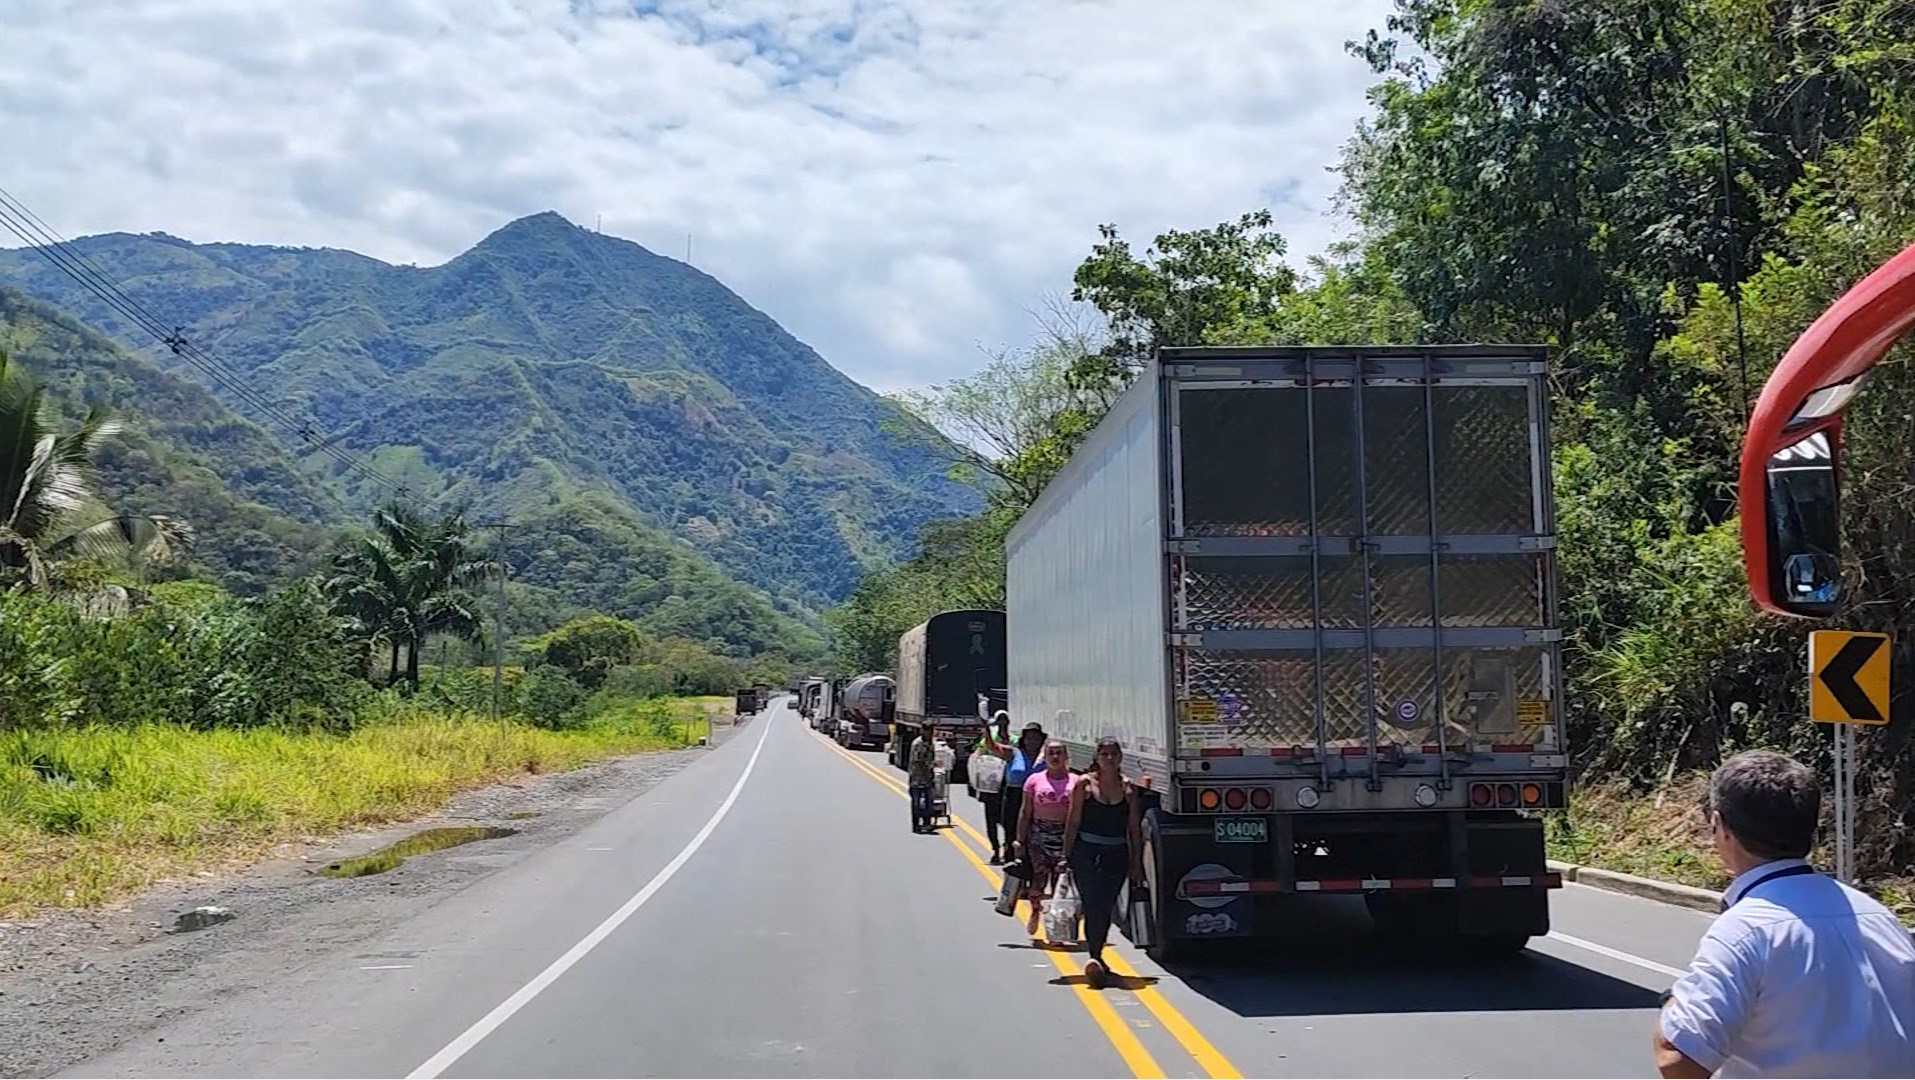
1354	885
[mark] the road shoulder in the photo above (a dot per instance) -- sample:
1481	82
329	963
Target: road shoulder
76	984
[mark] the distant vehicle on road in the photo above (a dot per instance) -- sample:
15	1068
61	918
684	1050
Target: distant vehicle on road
1313	592
951	669
865	711
745	702
819	705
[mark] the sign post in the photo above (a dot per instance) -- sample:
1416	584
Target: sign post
1848	685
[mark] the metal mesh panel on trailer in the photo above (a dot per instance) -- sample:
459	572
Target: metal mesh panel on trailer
1483	465
1267	698
1246	461
1270	592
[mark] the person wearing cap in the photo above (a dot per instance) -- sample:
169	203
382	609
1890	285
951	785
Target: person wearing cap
1021	759
1800	975
990	792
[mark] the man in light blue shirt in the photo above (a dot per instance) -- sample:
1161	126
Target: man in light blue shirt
1800	975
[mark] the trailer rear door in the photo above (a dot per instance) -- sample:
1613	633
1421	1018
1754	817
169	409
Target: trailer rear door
1344	527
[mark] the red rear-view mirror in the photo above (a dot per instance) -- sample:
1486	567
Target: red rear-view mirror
1789	489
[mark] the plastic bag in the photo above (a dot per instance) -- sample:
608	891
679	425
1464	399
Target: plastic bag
945	757
1062	910
987	771
1013	889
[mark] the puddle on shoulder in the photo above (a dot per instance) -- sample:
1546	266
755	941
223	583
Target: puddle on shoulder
384	859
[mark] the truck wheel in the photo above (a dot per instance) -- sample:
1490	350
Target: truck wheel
1167	949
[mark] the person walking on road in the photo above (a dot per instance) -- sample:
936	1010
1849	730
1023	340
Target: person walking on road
1040	827
1102	845
922	772
1021	759
1800	975
990	788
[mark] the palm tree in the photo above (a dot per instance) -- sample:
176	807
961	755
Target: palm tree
368	589
410	578
47	480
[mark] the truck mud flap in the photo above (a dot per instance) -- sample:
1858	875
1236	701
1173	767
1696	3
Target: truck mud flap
1194	858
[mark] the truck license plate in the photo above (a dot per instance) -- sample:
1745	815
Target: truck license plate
1242	830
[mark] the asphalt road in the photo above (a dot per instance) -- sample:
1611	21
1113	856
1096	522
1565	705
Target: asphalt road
768	912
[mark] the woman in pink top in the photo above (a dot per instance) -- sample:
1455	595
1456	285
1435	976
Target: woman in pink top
1040	825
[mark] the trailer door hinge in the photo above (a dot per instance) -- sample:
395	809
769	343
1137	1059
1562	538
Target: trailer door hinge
1537	543
1542	636
1187	641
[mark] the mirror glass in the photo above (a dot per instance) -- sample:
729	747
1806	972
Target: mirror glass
1804	526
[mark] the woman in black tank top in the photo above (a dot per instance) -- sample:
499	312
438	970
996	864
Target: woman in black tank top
1102	846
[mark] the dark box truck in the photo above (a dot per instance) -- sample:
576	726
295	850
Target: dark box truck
947	666
1313	591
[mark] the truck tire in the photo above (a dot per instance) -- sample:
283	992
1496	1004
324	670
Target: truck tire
1167	949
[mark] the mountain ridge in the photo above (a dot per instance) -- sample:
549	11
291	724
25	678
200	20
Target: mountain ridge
626	372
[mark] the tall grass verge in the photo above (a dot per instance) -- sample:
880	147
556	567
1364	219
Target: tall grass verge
91	815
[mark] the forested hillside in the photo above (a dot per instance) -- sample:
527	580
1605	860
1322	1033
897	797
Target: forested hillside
547	362
1668	192
256	519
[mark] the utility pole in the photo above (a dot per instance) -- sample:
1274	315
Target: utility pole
498	627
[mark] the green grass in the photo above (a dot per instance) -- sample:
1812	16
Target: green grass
88	817
1663	835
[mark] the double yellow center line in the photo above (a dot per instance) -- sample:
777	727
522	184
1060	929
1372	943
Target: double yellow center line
1141	1063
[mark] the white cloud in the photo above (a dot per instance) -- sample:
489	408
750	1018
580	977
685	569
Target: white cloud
893	181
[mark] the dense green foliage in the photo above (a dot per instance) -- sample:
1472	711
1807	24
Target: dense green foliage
546	362
1558	172
192	655
583	554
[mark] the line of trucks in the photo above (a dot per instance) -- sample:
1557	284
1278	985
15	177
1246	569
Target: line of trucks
1313	592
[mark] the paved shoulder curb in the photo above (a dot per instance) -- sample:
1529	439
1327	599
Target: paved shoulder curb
1648	888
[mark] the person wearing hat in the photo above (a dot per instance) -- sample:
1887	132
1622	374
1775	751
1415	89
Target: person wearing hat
989	785
1021	759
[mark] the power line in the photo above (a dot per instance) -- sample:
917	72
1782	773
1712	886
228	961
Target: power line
57	250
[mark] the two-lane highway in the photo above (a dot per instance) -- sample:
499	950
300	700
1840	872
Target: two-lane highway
768	912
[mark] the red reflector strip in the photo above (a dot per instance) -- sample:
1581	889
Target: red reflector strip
1350	885
1432	748
1355	751
1511	748
1221	751
1282	752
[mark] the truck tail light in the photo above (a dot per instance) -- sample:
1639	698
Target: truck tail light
1505	795
1209	799
1234	798
1532	794
1260	799
1481	796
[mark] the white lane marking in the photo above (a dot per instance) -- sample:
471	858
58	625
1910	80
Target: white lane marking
1618	954
385	967
490	1022
598	849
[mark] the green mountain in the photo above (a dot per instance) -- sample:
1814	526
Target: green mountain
257	519
550	371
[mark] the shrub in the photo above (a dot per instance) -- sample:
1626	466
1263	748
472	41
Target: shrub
549	698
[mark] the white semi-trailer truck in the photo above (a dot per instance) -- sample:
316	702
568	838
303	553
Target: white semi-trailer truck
1313	592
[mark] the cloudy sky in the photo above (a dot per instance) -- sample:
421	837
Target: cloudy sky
896	181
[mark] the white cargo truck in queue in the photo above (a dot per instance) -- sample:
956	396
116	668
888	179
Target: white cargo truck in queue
1313	592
